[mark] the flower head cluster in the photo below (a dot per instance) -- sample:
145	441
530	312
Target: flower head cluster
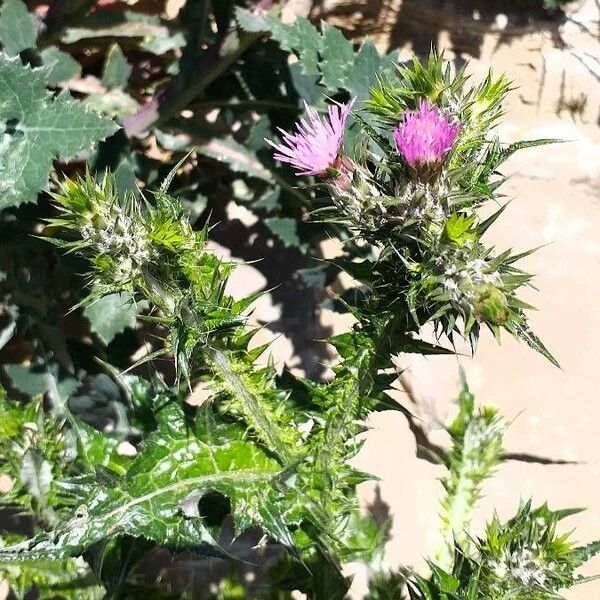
462	282
477	288
113	232
314	147
399	192
425	136
118	235
522	566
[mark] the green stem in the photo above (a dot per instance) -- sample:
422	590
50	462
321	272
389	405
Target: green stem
222	365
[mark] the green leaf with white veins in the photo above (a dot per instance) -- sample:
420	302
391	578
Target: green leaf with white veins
158	496
18	27
36	128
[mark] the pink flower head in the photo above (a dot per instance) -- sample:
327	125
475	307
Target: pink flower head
425	136
315	145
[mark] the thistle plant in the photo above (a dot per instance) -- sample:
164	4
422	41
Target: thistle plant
272	451
424	164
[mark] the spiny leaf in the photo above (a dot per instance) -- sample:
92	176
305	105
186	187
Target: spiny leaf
507	152
286	229
327	53
524	333
148	501
38	128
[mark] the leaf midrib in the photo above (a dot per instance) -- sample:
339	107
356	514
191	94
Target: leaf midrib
245	476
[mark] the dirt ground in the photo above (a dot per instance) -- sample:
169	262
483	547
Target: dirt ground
555	66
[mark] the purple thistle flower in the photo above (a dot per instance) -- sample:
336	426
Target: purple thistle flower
425	136
315	145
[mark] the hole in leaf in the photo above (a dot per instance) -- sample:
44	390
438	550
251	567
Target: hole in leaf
12	127
213	508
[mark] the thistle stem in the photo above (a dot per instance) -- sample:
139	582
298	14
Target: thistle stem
185	88
234	384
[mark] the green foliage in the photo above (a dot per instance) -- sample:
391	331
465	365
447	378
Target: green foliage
110	315
32	450
38	128
62	66
523	558
433	264
18	28
476	446
275	466
116	69
53	579
526	557
326	54
158	498
113	470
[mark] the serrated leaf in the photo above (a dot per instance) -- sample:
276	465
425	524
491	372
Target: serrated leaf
28	380
509	150
18	27
337	58
116	69
286	229
369	65
147	501
36	129
301	36
416	346
61	65
112	314
309	45
253	22
327	54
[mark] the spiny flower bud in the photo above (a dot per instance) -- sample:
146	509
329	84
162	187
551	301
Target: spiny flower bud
425	136
490	304
475	288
